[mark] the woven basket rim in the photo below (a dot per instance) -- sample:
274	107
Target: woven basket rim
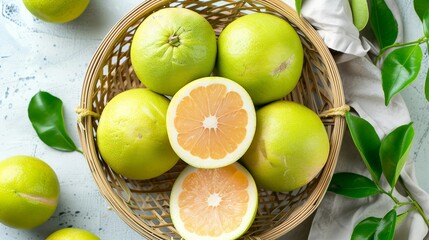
86	134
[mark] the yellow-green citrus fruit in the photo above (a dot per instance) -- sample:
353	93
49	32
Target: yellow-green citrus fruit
263	53
211	204
132	134
72	234
29	192
56	11
290	146
172	47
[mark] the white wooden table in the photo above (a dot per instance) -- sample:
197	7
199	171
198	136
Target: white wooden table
35	55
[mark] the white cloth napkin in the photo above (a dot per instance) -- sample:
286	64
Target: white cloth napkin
337	215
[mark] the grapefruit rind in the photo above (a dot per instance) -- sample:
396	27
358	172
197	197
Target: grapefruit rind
209	162
132	135
247	219
267	63
289	149
163	66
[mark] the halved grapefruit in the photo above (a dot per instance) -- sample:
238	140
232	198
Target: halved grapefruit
218	203
211	122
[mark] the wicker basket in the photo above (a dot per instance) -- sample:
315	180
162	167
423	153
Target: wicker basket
144	205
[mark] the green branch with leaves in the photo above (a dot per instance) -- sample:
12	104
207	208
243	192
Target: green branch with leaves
385	157
403	61
382	157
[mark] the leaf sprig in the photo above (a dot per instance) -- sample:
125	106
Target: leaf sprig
385	157
402	65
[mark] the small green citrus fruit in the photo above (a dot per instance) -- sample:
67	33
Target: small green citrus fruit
56	11
29	192
72	234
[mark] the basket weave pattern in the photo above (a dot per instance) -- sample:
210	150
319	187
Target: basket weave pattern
144	205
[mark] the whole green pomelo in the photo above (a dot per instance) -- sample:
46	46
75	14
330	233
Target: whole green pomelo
172	47
290	146
132	134
263	53
72	234
29	192
56	11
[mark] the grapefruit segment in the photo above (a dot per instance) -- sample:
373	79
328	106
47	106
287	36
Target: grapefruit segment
218	203
211	122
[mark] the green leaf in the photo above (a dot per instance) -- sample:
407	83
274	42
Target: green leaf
394	151
427	78
360	13
421	7
427	86
383	23
352	185
386	227
365	229
367	142
46	115
401	217
400	68
298	5
425	21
